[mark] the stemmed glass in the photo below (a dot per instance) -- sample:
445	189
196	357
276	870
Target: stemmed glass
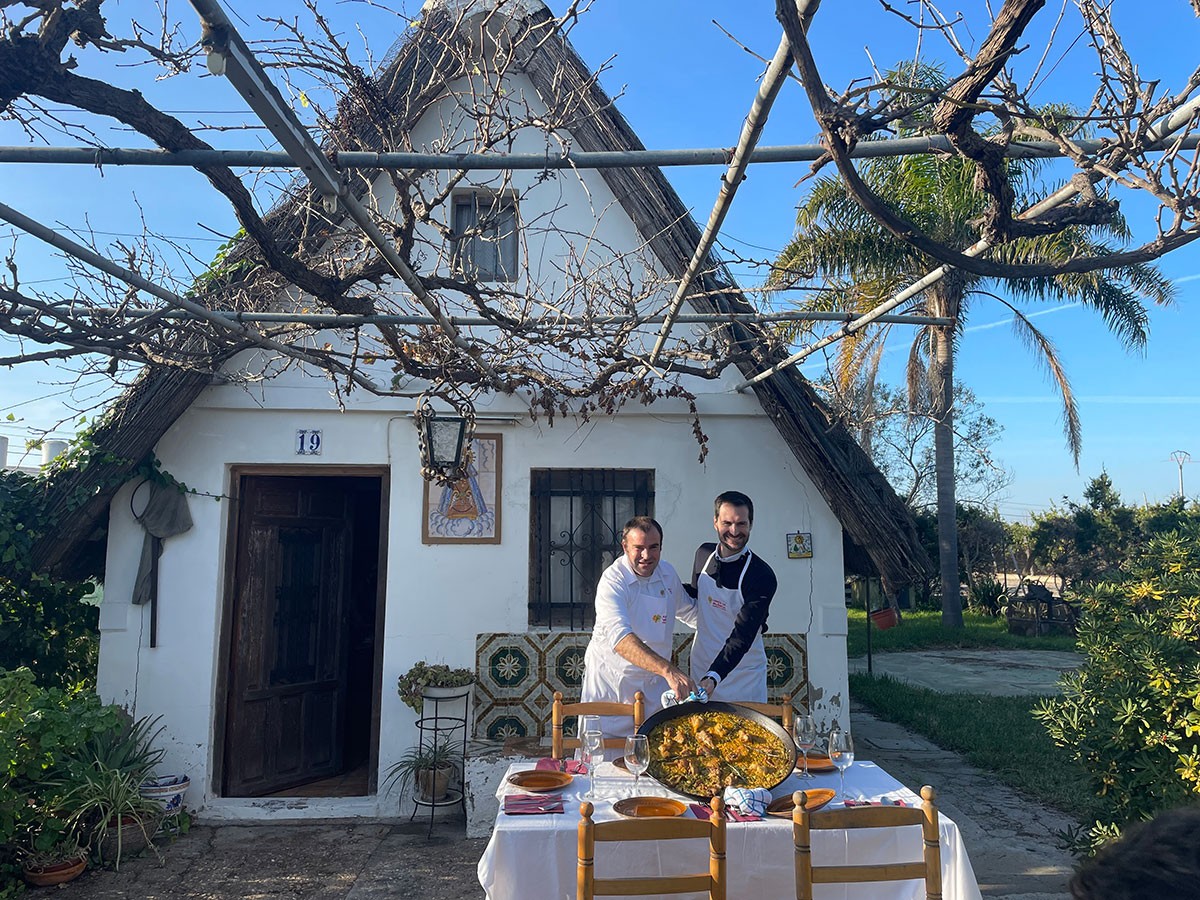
806	738
637	757
592	745
841	753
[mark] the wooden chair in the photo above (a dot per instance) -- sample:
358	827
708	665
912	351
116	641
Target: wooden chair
782	712
664	829
559	745
930	869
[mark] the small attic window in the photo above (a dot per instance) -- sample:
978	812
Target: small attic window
485	236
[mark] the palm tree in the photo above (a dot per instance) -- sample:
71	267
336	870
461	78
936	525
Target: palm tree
862	265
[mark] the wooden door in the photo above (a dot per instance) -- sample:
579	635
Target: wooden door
285	707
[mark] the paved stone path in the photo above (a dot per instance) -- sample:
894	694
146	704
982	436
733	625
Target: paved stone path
1010	840
998	672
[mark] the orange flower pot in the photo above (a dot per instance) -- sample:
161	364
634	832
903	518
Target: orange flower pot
885	618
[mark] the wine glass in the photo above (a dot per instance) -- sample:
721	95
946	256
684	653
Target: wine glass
593	754
806	738
637	757
841	753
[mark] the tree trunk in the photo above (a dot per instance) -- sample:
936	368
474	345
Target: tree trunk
941	383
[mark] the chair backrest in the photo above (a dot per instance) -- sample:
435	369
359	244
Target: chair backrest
783	711
928	869
652	829
560	744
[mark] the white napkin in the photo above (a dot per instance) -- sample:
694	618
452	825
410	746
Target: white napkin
748	801
699	695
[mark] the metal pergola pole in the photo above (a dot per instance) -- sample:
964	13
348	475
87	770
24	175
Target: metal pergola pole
578	159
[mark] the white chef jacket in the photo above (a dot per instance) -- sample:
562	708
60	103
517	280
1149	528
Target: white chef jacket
646	607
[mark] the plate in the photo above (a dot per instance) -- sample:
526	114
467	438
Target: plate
816	798
816	764
649	807
538	780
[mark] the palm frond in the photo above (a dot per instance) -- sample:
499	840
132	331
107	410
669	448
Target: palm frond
1047	355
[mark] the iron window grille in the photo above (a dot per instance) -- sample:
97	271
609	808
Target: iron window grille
576	521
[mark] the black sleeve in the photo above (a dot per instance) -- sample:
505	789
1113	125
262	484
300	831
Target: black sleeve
758	589
703	552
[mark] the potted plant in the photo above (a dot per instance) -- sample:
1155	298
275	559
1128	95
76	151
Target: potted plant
63	861
428	768
436	680
106	803
51	853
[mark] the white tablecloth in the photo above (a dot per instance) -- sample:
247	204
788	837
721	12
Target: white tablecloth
531	857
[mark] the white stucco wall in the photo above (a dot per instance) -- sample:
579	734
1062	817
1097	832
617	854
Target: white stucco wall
447	594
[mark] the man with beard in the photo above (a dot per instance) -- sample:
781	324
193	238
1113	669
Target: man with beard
733	590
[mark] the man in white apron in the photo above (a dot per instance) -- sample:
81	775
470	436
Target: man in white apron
733	589
638	600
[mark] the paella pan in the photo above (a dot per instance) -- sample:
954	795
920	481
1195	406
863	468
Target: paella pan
699	749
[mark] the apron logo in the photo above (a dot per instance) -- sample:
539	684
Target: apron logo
657	618
713	601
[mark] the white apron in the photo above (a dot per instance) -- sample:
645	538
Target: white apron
609	676
716	611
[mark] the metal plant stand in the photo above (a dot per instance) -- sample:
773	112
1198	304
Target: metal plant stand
445	711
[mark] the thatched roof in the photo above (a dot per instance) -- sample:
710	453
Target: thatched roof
872	515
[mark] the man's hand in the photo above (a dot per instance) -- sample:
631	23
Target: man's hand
632	648
709	684
679	683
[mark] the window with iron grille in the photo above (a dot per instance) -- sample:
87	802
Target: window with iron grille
576	520
485	236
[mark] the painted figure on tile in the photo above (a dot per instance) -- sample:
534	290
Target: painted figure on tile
463	499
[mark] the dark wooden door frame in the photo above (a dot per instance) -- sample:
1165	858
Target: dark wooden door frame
235	473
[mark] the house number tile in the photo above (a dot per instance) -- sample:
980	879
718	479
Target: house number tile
308	442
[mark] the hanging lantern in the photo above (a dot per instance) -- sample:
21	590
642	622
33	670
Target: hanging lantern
443	442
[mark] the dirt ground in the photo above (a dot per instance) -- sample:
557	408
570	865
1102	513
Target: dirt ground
288	862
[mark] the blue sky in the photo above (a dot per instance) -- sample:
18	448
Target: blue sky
684	83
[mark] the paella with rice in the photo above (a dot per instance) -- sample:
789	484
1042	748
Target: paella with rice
703	751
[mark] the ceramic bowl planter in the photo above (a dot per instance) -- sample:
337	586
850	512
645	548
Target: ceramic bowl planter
45	875
434	681
168	791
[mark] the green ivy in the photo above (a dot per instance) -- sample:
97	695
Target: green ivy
44	623
1130	715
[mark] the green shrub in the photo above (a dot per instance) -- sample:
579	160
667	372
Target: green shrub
67	764
1131	714
42	731
987	594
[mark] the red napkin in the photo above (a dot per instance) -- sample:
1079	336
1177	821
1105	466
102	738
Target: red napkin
570	766
704	811
527	805
874	803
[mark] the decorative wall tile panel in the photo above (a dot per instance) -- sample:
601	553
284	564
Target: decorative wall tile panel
519	673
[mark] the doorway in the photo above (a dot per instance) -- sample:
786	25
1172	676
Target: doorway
301	640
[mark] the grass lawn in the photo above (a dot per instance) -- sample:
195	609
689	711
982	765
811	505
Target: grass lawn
922	630
996	734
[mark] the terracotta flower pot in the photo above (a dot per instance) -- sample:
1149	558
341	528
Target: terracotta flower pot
885	618
434	783
55	873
